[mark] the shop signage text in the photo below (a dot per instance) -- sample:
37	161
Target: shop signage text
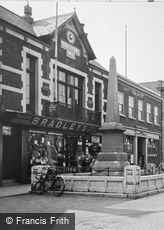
59	124
47	122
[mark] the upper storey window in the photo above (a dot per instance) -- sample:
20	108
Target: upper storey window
69	89
131	107
121	103
148	113
140	110
156	115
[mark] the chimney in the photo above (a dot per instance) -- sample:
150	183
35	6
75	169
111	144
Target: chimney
28	14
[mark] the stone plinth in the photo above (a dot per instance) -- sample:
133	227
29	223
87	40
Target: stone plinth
112	160
132	179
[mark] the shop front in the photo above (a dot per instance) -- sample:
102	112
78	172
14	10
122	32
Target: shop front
29	140
142	147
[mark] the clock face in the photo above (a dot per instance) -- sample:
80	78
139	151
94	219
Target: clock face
70	37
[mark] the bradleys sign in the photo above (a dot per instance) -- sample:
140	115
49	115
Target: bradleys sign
59	124
47	122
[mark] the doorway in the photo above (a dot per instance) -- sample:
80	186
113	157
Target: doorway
141	151
11	157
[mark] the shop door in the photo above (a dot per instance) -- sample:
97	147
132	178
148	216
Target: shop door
141	152
11	158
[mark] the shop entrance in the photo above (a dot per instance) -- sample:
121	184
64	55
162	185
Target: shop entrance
141	151
70	153
11	157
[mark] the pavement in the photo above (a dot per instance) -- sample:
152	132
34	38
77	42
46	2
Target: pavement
18	190
91	212
14	190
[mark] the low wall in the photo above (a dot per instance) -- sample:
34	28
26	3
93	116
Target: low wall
132	185
104	184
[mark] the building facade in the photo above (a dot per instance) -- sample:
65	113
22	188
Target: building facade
141	112
44	93
53	97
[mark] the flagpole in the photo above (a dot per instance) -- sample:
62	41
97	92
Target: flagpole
56	50
126	51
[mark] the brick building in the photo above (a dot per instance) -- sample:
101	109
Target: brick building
140	112
53	96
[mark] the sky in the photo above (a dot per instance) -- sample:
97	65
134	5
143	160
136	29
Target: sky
105	23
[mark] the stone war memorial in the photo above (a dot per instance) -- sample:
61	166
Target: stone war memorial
112	157
115	176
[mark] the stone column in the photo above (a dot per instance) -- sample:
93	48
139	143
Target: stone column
112	158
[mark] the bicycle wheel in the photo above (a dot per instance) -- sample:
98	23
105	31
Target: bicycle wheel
58	186
39	188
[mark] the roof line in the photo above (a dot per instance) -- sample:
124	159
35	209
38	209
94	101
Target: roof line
13	13
43	19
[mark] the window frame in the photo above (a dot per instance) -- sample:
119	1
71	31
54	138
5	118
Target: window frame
121	105
148	113
70	86
156	117
140	111
132	107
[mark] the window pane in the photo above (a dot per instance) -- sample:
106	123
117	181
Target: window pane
76	81
70	80
62	76
120	98
131	101
121	102
156	111
140	105
76	97
61	93
69	95
148	108
131	106
27	63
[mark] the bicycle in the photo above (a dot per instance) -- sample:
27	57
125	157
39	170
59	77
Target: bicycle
51	180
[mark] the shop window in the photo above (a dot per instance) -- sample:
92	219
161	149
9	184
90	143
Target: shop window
152	150
121	103
140	110
44	148
156	115
128	148
131	107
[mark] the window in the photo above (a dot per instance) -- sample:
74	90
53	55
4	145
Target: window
131	106
152	150
30	84
156	115
148	112
62	76
62	97
121	102
69	89
140	110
